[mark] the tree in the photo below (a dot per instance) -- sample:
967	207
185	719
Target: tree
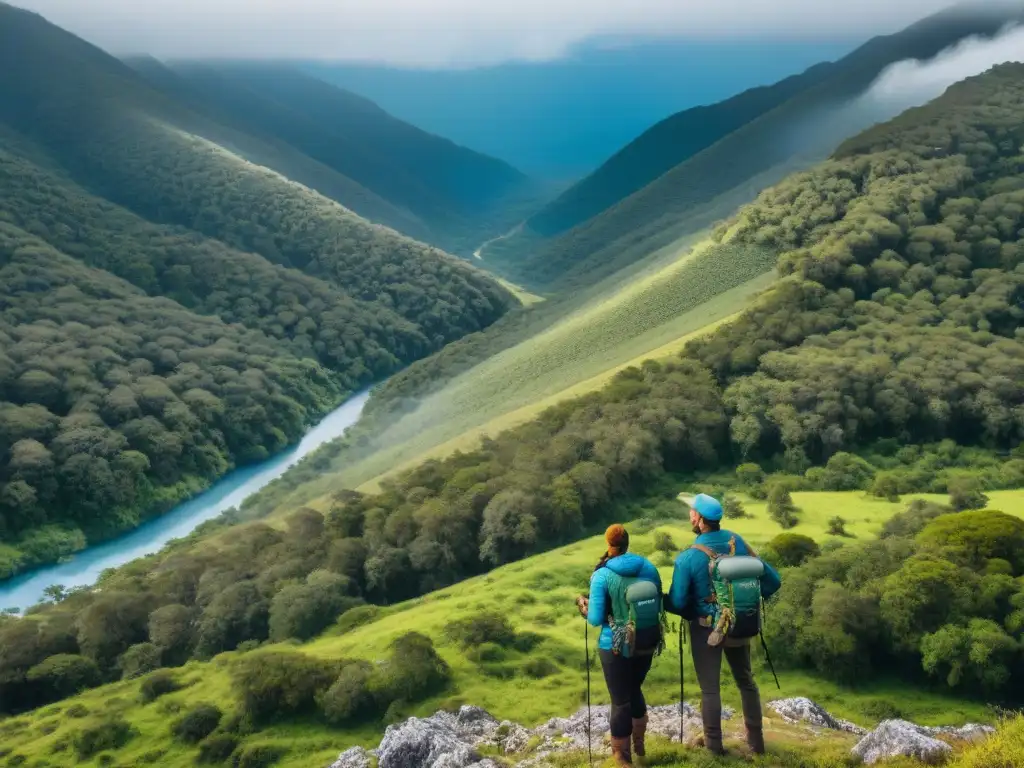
966	493
64	675
172	630
304	610
733	508
663	543
980	655
138	660
837	526
886	486
196	724
791	549
781	508
976	537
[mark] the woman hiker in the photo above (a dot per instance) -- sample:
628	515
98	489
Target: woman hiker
625	602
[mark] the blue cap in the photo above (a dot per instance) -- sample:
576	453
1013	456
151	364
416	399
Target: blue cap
706	506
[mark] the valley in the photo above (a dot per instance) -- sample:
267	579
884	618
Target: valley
316	417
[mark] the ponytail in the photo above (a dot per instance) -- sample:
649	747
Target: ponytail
603	561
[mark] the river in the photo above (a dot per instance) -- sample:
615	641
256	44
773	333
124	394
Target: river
86	566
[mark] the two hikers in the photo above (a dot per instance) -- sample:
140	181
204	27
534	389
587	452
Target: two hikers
623	587
631	626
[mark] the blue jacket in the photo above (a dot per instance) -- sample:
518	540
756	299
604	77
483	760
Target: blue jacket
624	565
691	582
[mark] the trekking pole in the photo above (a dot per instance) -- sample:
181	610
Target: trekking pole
768	658
681	683
586	648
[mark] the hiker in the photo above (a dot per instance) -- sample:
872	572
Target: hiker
626	602
693	597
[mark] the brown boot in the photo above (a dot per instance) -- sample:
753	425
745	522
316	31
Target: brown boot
639	731
621	754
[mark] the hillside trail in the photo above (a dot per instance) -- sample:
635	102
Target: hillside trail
478	254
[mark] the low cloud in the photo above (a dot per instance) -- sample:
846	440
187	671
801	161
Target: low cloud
912	83
451	32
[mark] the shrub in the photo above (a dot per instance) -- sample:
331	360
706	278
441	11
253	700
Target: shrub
217	748
882	709
350	696
158	684
413	672
487	627
540	667
259	756
487	652
912	520
76	710
196	724
965	493
356	617
663	542
749	475
280	684
113	733
305	610
976	537
837	526
886	486
733	508
139	660
781	508
792	549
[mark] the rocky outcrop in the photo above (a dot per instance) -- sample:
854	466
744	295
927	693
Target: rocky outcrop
803	710
455	740
357	757
898	738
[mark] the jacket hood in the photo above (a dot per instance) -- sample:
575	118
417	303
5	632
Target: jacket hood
627	564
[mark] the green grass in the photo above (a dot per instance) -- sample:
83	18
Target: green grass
537	596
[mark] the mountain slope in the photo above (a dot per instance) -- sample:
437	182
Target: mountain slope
443	185
662	147
120	401
799	131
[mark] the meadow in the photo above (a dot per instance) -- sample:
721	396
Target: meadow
541	675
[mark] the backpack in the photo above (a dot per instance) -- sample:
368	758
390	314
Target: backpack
735	593
637	616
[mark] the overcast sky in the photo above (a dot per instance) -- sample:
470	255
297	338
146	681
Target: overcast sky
449	32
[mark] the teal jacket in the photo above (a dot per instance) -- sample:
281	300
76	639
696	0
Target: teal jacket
691	582
600	605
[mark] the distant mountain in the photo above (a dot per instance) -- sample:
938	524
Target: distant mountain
560	119
442	184
791	125
172	302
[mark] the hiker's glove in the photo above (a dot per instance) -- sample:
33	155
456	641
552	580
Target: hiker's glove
583	604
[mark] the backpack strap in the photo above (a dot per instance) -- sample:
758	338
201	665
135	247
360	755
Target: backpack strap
712	557
706	550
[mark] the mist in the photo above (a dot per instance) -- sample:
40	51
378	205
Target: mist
911	83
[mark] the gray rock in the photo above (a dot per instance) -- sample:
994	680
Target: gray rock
357	757
512	737
969	732
802	709
425	743
898	738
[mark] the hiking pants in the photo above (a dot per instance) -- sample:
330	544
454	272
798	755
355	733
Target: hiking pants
624	678
707	660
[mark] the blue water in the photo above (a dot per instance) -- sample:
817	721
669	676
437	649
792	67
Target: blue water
86	566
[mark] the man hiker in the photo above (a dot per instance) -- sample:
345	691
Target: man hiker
626	603
693	597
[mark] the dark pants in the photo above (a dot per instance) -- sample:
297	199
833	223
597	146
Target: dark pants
624	678
707	661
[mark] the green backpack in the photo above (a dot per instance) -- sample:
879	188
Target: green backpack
735	593
637	616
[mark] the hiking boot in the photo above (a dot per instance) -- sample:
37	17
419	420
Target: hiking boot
639	731
621	754
755	740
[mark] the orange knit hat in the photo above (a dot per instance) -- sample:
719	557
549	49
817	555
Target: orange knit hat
617	539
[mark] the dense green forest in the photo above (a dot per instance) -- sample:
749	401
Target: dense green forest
258	304
433	178
894	335
795	133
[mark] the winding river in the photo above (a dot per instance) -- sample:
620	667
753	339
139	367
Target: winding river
86	566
